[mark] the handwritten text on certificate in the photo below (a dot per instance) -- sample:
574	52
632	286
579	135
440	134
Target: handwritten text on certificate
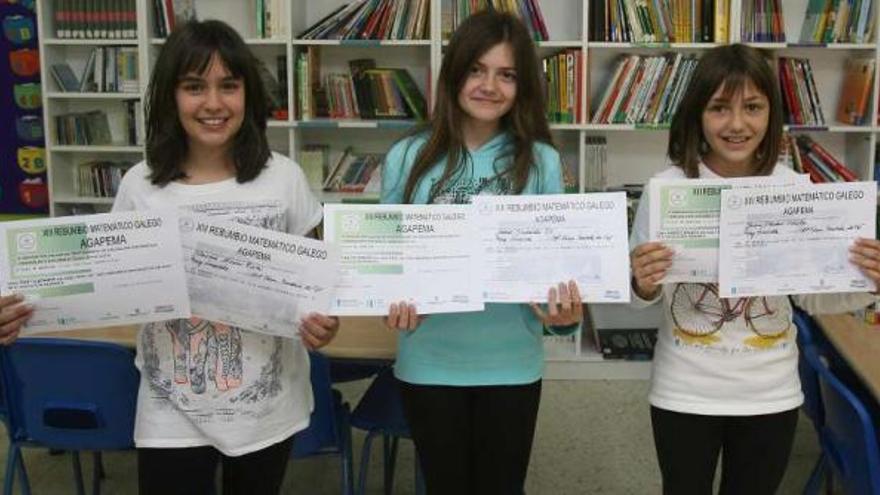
531	243
257	279
794	240
423	254
684	216
95	270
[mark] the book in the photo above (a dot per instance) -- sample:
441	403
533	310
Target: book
64	77
855	91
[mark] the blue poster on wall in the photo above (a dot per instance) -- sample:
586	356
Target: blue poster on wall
22	153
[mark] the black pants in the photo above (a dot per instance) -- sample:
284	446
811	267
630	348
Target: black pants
472	440
755	451
191	471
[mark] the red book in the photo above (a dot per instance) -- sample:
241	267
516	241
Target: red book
829	160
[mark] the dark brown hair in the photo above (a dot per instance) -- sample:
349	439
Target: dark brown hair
525	122
190	48
730	66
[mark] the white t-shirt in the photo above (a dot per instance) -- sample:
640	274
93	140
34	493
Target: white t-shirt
734	371
205	383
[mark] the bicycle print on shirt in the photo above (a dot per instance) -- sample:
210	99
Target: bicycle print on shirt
700	318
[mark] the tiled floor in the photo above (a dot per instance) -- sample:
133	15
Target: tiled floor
592	437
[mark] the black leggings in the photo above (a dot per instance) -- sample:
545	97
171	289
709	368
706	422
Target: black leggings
755	451
472	440
191	471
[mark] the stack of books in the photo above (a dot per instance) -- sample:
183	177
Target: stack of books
95	19
169	13
762	21
271	16
355	172
645	90
660	21
97	178
595	177
564	78
799	93
367	92
838	21
110	69
373	20
810	157
527	10
858	79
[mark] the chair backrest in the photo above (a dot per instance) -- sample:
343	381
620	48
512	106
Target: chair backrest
380	408
70	394
848	436
322	435
806	336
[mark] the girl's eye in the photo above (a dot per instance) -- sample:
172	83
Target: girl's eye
716	108
508	76
192	87
475	70
754	107
231	86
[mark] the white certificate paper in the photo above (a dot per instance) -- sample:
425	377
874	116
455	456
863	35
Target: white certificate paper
684	216
423	254
257	279
794	240
95	270
532	243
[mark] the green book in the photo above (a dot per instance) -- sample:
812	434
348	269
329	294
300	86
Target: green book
414	99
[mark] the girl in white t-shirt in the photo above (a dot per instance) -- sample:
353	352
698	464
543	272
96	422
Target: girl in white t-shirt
725	370
211	393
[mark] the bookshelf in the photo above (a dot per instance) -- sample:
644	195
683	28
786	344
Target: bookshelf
634	151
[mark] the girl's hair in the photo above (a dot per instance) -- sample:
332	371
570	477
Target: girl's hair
732	66
191	48
525	122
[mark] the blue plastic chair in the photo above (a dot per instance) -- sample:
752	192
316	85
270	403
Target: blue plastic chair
808	334
329	431
380	412
848	436
68	394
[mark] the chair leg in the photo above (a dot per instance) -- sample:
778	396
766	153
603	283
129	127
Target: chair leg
11	466
420	480
390	447
97	472
347	463
77	473
365	463
817	476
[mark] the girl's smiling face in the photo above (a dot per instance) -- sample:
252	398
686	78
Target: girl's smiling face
210	106
489	89
734	126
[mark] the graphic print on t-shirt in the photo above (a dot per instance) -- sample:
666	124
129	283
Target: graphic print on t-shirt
194	362
701	319
460	191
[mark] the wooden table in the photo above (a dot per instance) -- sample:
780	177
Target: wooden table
358	338
858	343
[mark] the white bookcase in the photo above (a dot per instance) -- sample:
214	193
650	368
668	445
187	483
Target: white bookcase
634	153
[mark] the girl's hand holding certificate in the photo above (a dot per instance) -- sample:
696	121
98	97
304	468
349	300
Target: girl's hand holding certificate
649	262
13	315
564	308
317	330
865	254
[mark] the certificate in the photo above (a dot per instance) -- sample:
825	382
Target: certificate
95	270
532	243
794	240
423	254
684	216
252	278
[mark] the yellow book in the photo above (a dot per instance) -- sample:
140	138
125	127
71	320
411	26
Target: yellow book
722	20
